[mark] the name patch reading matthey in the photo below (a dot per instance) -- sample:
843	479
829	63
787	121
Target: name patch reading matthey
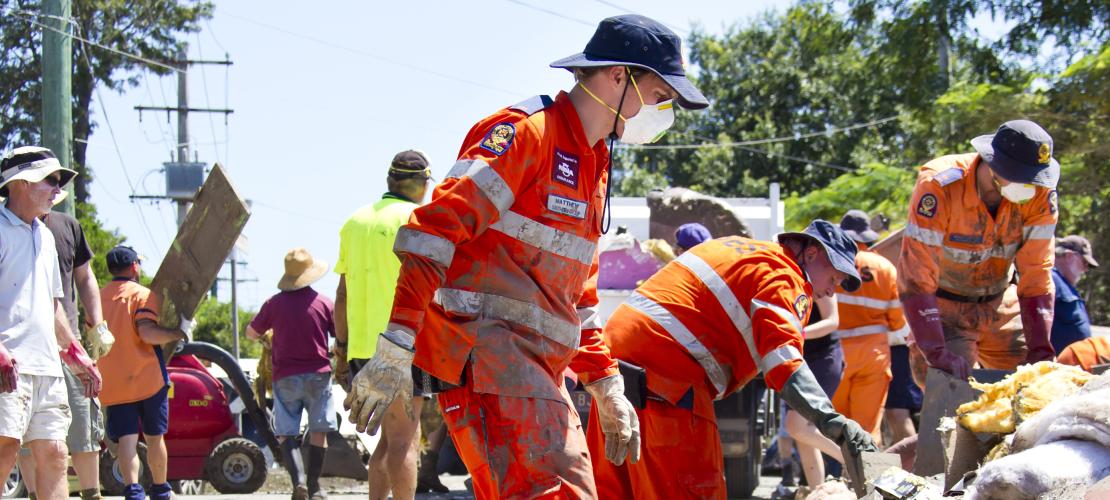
566	206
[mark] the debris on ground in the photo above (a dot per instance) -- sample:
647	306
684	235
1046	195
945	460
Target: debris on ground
1019	396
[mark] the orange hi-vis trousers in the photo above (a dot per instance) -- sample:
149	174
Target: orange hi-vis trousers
866	380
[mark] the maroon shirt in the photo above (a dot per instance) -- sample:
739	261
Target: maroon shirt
302	321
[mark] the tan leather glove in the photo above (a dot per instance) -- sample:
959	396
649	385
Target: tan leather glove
100	340
386	377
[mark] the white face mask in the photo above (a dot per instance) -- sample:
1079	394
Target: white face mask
1018	193
649	124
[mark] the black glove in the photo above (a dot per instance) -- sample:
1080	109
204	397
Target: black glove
805	396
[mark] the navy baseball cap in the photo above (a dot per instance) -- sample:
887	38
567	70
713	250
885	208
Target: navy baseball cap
690	235
635	40
1020	151
857	226
121	256
840	248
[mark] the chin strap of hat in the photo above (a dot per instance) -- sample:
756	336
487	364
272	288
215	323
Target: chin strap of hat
607	213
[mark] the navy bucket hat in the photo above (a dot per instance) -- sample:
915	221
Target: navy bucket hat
1020	151
635	40
840	248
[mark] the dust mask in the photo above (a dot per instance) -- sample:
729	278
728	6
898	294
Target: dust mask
649	124
1018	193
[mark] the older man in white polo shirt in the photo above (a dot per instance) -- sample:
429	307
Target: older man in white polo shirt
34	407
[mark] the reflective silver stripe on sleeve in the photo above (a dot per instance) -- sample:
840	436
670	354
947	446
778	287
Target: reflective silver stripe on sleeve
1006	252
783	313
437	248
682	335
1045	232
778	357
926	236
856	300
488	181
590	318
545	237
497	307
725	298
861	331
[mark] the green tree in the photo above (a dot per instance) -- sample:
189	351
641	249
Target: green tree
100	239
874	188
148	28
214	326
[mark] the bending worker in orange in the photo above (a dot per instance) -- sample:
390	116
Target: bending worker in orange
703	327
867	317
971	217
493	294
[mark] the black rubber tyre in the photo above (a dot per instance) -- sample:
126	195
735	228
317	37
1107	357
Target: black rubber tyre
111	481
236	466
741	476
13	485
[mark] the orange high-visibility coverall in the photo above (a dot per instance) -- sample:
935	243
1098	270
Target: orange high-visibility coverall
954	248
494	277
867	317
1086	353
701	328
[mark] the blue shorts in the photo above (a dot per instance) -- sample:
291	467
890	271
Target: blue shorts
903	393
825	358
307	391
152	415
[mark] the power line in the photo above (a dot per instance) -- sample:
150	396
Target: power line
773	140
630	11
553	13
207	102
371	55
798	159
21	14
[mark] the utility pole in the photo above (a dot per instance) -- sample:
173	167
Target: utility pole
57	90
182	125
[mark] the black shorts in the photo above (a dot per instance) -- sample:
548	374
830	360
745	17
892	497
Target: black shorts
903	393
419	377
825	358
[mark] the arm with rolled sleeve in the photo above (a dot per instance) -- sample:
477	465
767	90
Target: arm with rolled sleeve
593	360
1034	260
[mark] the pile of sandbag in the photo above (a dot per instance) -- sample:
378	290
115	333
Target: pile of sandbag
1059	451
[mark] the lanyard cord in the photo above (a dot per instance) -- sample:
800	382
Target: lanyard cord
606	211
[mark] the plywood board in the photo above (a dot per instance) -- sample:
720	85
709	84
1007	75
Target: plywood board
203	242
943	394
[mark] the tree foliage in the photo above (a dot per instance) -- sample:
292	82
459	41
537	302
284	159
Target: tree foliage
874	188
214	326
147	28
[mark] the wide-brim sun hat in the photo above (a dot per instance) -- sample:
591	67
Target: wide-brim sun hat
639	41
857	226
31	164
839	247
1020	151
301	270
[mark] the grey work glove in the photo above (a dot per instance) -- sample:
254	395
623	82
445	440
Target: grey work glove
619	422
805	396
387	376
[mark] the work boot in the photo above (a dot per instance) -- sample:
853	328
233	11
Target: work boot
427	481
291	456
161	491
91	494
134	491
315	468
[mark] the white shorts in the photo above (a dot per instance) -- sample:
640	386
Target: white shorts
37	409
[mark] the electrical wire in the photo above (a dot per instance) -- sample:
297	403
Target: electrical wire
630	11
372	55
757	142
207	102
22	14
553	13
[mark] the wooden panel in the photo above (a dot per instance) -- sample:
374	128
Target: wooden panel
203	242
890	247
943	393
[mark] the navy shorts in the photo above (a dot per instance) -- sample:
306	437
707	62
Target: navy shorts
825	358
151	414
903	393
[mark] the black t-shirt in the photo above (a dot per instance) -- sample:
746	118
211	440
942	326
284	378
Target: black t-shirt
73	251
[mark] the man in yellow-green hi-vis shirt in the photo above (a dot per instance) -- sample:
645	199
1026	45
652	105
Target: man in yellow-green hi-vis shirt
368	270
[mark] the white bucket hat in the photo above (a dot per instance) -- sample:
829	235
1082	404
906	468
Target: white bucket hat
31	164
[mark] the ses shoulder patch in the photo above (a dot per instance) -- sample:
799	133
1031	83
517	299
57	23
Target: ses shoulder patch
801	306
532	105
1053	202
948	176
927	205
499	138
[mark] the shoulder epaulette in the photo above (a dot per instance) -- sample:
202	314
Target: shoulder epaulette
532	105
949	176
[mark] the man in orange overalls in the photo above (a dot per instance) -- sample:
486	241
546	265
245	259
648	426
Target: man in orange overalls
703	327
972	218
867	317
496	292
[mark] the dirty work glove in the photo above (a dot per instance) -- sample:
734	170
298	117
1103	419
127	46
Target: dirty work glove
186	326
342	368
1036	321
805	396
387	376
78	361
619	422
100	340
9	375
924	318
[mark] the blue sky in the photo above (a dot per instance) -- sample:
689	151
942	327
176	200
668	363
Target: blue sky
323	98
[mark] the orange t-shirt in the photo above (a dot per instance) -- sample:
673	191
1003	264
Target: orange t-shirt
133	370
